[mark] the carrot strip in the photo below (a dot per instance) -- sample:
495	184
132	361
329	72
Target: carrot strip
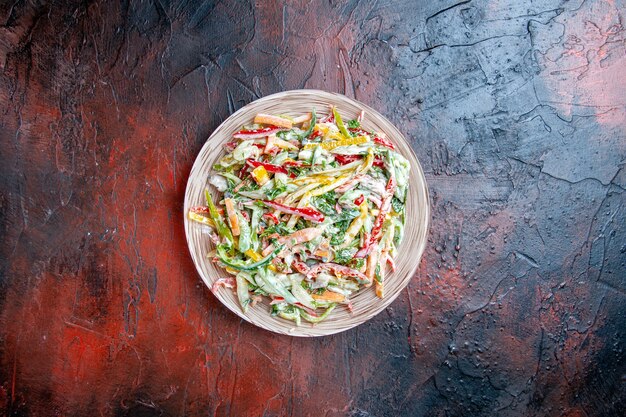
232	216
268	119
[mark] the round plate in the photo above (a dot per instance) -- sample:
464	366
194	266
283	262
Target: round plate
365	303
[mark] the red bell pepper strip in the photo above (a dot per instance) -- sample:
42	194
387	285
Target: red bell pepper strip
338	269
385	207
391	263
200	209
383	141
375	200
309	310
268	167
328	119
271	217
350	307
206	210
351	183
359	200
300	267
346	159
225	282
243	172
378	162
365	250
278	300
359	131
256	133
315	134
297	164
306	213
230	146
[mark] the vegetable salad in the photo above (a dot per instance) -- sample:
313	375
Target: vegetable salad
312	211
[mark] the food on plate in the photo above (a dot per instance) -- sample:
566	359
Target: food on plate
311	210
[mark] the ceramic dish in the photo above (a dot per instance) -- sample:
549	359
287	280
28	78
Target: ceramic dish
365	304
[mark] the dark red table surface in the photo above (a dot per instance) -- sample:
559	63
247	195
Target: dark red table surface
516	110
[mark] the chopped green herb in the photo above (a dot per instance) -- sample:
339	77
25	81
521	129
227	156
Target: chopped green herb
347	214
344	256
271	194
324	206
284	134
300	224
358	263
275	310
398	206
354	124
337	238
279	228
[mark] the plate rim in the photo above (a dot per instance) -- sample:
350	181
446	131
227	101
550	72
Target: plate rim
383	303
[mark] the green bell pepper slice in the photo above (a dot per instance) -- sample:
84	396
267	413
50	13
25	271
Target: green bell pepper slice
312	319
340	125
239	264
222	230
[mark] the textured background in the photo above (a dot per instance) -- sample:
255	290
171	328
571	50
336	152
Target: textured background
517	111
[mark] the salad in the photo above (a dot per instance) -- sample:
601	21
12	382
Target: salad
311	211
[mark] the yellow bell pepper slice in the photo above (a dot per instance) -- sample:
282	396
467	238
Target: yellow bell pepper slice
317	179
197	217
256	257
231	270
329	145
260	175
304	202
355	226
331	186
295	196
367	162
